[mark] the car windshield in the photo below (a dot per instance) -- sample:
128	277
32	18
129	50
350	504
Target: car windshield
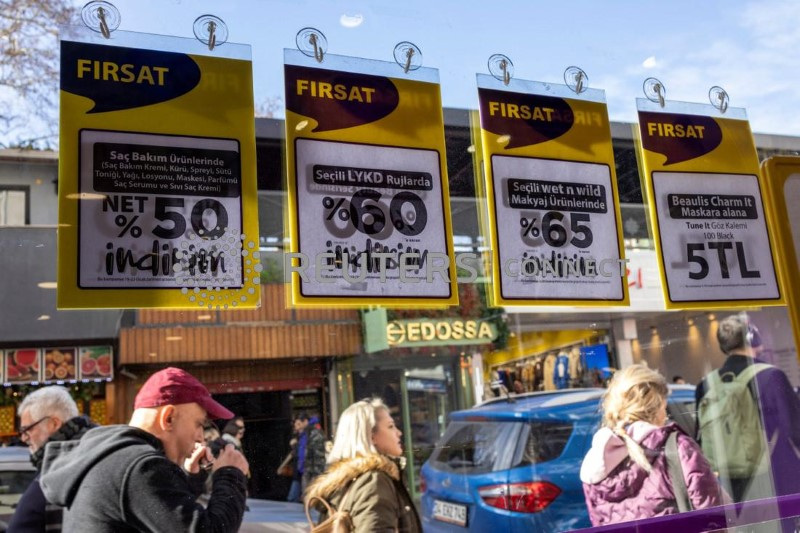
15	482
683	412
12	485
541	442
471	447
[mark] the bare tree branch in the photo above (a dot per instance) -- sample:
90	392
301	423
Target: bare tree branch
29	66
269	107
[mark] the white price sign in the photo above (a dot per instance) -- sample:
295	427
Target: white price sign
371	221
556	230
159	211
714	241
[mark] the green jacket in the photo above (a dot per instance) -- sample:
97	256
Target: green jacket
379	501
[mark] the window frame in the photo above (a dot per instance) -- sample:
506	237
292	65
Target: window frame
27	191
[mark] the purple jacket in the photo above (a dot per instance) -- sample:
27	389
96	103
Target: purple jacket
617	489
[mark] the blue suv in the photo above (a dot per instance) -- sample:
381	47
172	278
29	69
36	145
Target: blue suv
511	464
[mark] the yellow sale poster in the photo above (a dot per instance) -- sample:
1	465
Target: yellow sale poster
782	180
551	188
369	207
157	184
701	174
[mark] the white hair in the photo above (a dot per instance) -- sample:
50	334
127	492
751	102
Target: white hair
354	432
49	401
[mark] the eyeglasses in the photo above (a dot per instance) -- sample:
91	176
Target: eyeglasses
25	430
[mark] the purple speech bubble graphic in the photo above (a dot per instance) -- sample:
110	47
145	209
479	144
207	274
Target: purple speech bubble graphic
117	78
679	137
337	99
526	118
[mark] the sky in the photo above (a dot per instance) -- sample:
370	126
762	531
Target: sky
747	47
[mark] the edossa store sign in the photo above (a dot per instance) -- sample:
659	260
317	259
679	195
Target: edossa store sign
439	331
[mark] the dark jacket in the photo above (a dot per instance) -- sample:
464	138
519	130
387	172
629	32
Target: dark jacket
313	463
618	489
33	513
379	502
118	479
780	414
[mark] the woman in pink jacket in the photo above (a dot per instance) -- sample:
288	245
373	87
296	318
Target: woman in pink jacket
625	475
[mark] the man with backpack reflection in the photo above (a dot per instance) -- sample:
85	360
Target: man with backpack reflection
748	418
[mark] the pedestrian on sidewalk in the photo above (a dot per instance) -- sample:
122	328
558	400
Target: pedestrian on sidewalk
363	477
629	473
748	417
146	476
46	415
233	432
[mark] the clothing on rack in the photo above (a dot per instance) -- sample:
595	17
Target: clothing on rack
527	377
505	378
576	366
538	374
549	369
561	376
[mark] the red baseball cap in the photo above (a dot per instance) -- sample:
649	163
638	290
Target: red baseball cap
173	386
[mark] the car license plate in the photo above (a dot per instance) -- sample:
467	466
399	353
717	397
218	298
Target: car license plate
450	512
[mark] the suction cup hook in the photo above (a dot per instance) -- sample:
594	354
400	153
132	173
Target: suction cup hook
719	98
312	43
102	17
655	91
408	56
576	79
210	30
501	68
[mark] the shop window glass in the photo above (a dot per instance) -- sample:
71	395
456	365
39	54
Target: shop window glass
293	377
627	172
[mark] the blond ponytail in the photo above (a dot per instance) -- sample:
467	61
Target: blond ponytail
635	393
634	450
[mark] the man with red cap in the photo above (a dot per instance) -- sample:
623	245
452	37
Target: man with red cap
136	477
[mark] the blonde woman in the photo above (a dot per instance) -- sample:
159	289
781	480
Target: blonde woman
625	475
362	465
